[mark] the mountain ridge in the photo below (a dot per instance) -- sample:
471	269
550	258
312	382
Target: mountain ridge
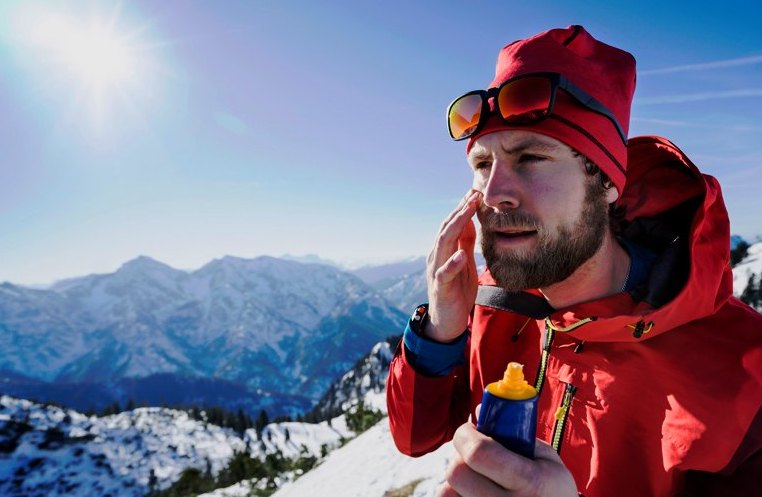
268	324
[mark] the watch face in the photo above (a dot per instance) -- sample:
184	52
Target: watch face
419	318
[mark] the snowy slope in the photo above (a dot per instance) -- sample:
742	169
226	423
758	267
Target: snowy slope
368	466
48	451
371	466
365	382
751	264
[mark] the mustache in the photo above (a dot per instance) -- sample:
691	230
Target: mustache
491	220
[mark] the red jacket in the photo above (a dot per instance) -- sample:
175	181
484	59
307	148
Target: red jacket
666	385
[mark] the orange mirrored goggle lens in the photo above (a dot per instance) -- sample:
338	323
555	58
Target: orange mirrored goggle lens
464	115
525	100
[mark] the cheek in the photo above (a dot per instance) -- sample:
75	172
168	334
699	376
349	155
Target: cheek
480	182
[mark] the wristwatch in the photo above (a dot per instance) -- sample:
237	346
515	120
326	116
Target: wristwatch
419	319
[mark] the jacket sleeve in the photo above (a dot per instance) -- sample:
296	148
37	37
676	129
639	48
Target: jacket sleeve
424	411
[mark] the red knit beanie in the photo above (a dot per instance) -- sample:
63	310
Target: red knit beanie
605	72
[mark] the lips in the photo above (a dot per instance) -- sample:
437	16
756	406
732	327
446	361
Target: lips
515	233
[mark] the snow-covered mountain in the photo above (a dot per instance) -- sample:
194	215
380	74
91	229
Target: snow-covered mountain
368	465
749	271
380	275
48	451
262	332
365	383
371	466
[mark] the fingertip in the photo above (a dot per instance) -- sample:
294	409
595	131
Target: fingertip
466	433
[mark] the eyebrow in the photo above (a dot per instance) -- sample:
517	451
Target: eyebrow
531	143
522	146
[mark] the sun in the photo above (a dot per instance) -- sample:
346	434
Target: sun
89	59
96	54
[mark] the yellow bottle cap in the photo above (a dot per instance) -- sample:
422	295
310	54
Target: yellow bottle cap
513	386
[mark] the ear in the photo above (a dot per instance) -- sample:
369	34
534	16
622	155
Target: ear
612	195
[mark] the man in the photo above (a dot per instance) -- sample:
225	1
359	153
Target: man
608	278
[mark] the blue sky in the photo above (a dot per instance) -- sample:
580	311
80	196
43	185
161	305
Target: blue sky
250	128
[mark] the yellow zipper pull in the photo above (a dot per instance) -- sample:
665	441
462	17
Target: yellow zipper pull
560	413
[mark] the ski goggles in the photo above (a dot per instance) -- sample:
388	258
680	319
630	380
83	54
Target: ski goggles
523	100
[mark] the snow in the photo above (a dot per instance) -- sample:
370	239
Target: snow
370	465
752	264
63	452
240	489
303	437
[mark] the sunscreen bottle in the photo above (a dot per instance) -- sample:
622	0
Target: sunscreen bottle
509	412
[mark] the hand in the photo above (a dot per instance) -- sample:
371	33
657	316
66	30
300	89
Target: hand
484	468
451	272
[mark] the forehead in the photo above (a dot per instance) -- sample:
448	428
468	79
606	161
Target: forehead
514	142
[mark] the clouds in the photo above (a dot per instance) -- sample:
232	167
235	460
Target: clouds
697	125
708	70
705	66
700	96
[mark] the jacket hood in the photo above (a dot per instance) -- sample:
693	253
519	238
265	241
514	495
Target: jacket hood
677	212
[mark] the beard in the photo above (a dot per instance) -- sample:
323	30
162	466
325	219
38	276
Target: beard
556	255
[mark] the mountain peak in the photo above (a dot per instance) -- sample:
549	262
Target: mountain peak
310	259
143	262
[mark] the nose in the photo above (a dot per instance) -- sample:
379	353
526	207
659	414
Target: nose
500	188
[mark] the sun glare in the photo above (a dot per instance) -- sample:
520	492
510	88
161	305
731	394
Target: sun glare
88	59
98	56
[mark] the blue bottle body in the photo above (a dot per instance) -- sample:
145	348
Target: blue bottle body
513	423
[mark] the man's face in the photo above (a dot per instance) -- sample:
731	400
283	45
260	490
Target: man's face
542	215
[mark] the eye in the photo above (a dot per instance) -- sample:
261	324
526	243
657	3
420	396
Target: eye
480	165
525	158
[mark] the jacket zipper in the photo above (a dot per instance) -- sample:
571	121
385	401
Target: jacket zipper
561	415
547	342
550	333
563	411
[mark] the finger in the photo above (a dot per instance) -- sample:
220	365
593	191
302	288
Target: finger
543	450
467	243
466	198
471	203
451	267
447	240
467	482
490	459
467	237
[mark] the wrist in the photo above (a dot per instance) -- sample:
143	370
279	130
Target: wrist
434	333
423	324
426	326
427	356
